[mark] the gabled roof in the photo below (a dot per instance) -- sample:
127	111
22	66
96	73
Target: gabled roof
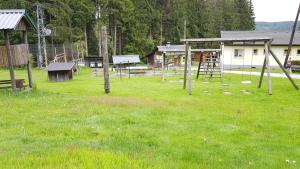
60	66
171	48
280	37
123	59
10	18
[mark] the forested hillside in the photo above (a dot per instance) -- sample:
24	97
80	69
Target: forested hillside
139	25
275	26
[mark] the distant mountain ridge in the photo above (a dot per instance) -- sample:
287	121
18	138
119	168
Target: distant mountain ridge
275	26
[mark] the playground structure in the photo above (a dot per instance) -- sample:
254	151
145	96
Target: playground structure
266	65
15	55
210	65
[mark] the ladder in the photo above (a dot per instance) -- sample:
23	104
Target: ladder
210	67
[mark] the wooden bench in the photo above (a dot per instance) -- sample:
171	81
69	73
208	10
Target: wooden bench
6	84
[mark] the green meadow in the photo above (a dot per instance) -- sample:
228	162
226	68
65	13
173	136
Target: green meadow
145	123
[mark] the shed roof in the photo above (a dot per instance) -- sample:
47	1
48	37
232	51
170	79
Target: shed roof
10	18
60	66
279	37
123	59
171	48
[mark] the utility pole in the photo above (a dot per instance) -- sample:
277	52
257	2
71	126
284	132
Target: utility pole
42	33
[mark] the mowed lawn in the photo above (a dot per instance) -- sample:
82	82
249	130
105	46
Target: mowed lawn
145	123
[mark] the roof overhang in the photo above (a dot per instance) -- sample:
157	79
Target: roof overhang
11	18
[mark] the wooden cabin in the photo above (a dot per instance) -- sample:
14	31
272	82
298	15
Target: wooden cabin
15	20
59	72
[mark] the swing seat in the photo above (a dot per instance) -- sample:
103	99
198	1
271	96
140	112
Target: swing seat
246	82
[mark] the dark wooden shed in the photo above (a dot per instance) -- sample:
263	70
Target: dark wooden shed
59	72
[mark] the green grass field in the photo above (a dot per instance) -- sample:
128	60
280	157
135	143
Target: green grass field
145	123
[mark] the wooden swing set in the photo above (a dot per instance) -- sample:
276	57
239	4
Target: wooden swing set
266	65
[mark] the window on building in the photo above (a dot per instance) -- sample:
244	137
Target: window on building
298	52
238	53
255	51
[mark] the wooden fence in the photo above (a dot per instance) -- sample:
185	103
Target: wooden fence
19	54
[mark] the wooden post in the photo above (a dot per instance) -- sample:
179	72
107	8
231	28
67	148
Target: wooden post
199	66
185	64
262	73
163	67
10	61
105	59
189	71
29	69
65	55
267	44
284	70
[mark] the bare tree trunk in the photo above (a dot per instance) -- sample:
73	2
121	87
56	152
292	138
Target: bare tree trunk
86	42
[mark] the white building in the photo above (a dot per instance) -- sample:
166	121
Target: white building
252	54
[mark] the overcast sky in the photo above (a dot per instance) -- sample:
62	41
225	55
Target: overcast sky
276	10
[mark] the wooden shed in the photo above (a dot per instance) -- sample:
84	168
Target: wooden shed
15	55
59	72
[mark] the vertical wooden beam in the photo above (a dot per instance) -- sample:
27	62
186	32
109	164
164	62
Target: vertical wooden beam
292	38
163	67
267	53
105	59
189	71
284	70
29	69
199	66
262	73
185	64
10	61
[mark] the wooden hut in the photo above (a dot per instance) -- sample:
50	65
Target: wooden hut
59	72
15	55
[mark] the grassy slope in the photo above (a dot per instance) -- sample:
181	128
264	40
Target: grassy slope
146	124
